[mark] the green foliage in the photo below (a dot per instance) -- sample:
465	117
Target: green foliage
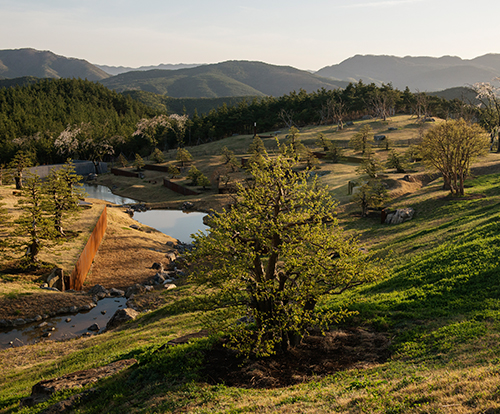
122	160
183	156
203	181
372	194
197	177
359	141
322	142
18	164
173	171
32	115
370	165
310	159
282	249
64	193
450	147
296	148
35	224
334	152
158	156
4	227
257	146
229	158
397	161
139	162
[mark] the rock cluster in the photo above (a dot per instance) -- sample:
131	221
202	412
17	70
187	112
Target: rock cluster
400	216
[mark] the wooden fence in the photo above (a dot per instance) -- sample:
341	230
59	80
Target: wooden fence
84	263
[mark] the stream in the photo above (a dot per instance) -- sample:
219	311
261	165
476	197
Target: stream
62	327
175	223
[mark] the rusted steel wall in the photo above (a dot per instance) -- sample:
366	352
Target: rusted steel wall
178	188
156	167
124	173
82	267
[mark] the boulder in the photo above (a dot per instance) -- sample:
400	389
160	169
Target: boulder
171	256
400	216
116	292
56	279
121	316
134	290
159	278
94	328
43	390
169	286
379	137
187	205
157	266
99	291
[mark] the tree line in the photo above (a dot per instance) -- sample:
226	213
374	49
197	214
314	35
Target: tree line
59	118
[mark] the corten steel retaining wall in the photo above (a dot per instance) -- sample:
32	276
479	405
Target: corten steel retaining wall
155	167
82	267
178	188
124	173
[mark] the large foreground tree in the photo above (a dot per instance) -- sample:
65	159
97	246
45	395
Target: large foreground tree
451	147
277	251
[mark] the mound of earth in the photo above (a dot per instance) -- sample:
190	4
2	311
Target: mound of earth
317	356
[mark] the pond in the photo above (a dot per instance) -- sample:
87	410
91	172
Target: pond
62	327
174	223
101	192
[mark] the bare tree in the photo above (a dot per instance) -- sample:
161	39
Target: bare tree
287	117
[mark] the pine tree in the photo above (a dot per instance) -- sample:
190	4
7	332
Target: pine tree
34	223
158	156
122	160
139	162
183	156
360	140
63	194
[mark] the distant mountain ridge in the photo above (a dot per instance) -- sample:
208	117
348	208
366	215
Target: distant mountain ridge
231	78
16	63
418	73
251	78
117	70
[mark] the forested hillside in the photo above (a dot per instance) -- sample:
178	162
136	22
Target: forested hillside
233	78
32	117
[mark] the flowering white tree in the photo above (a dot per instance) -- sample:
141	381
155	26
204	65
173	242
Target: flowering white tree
85	140
488	96
67	142
152	128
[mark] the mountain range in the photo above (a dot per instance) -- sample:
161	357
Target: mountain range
250	78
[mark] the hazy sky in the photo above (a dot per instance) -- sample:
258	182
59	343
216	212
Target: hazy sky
304	34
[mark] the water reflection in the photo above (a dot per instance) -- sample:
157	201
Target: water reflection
175	223
59	328
102	192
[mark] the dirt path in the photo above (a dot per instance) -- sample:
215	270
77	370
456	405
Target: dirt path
126	255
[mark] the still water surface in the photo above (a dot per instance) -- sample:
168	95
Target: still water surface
174	223
59	327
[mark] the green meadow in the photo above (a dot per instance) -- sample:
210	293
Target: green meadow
438	306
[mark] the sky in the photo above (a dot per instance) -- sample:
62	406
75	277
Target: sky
307	35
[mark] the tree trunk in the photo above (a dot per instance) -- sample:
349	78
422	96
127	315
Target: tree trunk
19	182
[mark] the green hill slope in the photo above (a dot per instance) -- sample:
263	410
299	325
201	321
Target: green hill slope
233	78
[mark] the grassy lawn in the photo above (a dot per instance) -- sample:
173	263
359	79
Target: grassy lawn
439	306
